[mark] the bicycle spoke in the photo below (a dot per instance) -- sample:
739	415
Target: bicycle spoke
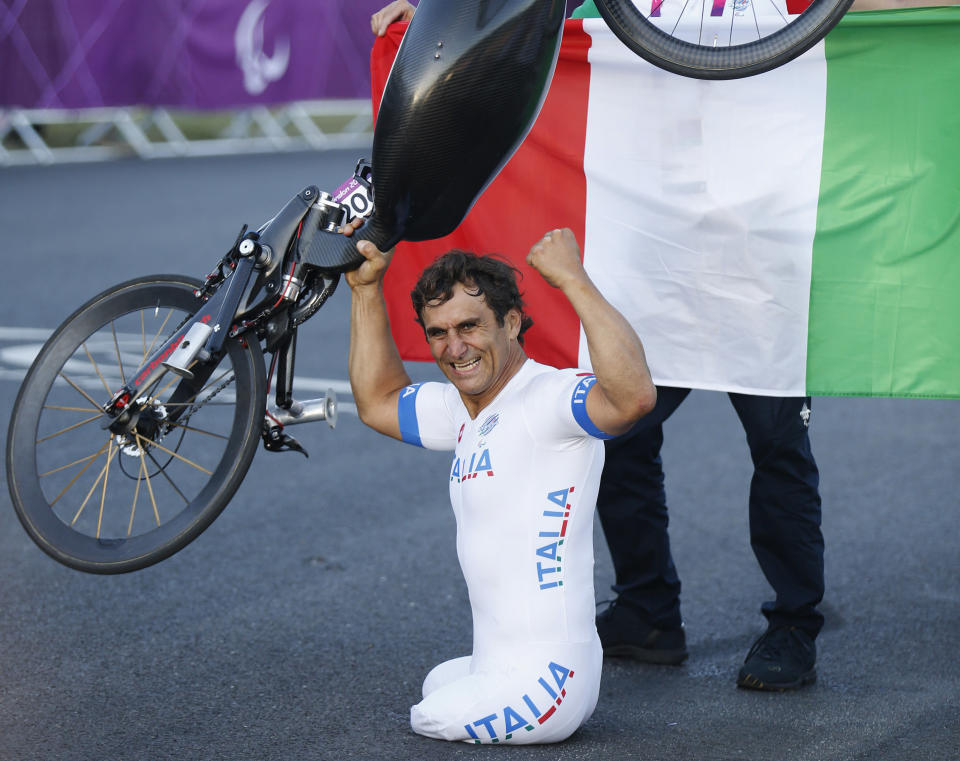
93	459
166	475
67	409
756	21
69	428
96	369
159	331
103	493
153	499
740	19
159	393
95	484
116	346
136	494
682	11
172	454
83	393
197	430
68	465
776	7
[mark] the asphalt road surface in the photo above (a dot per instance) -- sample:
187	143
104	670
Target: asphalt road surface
300	625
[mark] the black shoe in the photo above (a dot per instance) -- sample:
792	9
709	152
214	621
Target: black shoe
624	633
782	659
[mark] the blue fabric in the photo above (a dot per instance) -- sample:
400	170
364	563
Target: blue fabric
578	403
407	415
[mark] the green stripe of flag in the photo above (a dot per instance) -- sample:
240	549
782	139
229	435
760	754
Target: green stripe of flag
587	10
885	291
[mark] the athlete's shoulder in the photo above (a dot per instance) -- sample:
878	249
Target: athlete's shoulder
547	388
554	402
540	375
428	412
533	370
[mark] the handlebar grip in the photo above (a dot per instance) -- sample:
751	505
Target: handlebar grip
333	252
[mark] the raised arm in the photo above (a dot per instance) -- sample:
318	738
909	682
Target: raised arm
624	391
377	375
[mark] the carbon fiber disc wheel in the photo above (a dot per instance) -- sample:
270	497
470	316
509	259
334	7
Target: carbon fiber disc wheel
107	502
713	39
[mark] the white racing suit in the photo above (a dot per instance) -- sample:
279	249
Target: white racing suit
523	485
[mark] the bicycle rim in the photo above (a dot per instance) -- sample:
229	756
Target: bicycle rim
717	39
103	502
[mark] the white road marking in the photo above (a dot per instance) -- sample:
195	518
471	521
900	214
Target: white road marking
24	334
23	345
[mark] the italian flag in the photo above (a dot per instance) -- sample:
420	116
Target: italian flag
793	233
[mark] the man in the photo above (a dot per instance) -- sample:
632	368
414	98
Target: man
523	482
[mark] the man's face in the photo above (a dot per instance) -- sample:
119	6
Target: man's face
476	354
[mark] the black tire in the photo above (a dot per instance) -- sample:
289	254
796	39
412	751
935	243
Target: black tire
728	58
179	467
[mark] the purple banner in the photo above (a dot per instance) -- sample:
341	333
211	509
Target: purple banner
197	54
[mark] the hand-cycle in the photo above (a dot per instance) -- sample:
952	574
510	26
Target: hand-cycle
117	477
118	473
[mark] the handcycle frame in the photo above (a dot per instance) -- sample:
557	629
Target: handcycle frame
253	294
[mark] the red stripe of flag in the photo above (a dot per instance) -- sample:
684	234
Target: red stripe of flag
542	187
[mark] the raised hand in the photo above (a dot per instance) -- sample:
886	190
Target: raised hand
398	10
556	257
371	272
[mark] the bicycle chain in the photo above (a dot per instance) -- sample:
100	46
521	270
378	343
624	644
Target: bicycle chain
196	407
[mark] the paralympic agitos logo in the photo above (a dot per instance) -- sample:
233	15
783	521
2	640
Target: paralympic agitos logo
259	69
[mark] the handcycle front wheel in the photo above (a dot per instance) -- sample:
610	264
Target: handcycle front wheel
106	502
720	39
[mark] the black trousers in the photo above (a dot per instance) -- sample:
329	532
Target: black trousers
784	511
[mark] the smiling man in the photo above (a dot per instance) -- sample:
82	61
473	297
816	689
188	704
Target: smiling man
528	453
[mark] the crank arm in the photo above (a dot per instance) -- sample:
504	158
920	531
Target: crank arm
324	408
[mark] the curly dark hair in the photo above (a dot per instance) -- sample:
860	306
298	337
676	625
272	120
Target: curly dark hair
486	275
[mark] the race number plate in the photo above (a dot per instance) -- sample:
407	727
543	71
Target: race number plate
355	198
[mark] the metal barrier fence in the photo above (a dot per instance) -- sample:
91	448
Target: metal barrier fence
48	136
